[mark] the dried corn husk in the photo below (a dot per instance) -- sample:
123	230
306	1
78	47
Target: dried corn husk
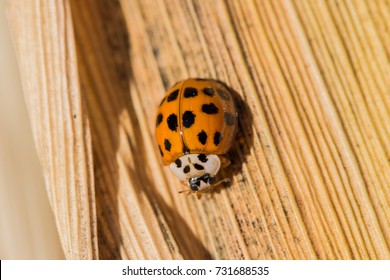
310	175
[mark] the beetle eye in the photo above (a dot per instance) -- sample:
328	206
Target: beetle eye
194	187
211	180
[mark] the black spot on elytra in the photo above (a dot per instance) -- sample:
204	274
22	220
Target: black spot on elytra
159	119
178	163
190	92
208	91
167	145
198	166
229	118
188	119
202	137
172	122
173	96
161	152
202	158
209	109
223	94
217	138
186	169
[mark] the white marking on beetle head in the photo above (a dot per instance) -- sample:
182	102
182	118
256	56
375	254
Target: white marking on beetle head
198	170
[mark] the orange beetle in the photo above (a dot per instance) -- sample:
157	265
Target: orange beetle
196	124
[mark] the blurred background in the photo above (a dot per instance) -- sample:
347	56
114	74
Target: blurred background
27	227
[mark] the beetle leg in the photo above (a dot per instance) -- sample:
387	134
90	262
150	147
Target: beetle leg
224	161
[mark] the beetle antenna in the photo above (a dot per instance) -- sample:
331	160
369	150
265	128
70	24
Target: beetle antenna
222	181
212	187
198	194
186	191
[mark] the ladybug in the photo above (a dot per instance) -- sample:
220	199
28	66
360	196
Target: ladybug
195	126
